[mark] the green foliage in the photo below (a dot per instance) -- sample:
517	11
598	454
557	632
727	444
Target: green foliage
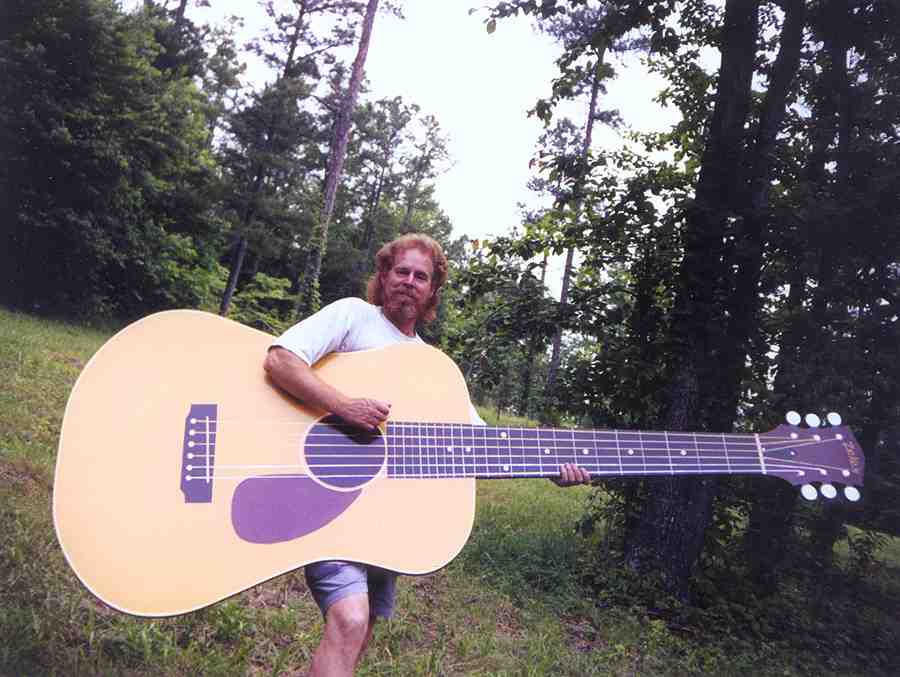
107	159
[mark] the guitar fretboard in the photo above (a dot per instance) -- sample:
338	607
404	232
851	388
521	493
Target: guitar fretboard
445	450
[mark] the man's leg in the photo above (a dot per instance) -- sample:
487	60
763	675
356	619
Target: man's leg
348	629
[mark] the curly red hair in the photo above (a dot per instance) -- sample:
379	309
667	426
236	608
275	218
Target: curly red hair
384	261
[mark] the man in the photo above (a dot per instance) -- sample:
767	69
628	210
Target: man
405	289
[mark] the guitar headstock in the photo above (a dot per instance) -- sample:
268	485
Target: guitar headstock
803	455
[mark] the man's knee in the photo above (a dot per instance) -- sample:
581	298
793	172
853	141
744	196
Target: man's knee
349	618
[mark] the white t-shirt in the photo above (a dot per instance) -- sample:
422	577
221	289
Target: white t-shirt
346	326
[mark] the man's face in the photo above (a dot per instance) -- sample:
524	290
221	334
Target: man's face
407	285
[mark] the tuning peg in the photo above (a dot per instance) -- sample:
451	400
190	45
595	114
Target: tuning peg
793	418
852	494
809	492
834	418
813	421
828	491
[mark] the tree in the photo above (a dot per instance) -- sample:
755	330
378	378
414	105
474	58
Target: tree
296	50
108	180
308	295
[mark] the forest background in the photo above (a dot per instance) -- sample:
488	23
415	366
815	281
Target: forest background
717	274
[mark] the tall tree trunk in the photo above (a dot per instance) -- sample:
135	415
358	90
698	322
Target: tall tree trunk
260	175
308	298
556	354
672	523
238	252
752	236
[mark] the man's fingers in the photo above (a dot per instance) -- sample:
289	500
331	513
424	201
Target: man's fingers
572	474
383	408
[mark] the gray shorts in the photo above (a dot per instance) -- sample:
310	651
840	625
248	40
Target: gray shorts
334	580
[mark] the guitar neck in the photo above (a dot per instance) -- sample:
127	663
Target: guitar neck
447	450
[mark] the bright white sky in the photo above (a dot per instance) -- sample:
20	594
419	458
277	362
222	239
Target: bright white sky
479	86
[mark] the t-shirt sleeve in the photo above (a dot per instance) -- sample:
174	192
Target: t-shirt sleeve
321	333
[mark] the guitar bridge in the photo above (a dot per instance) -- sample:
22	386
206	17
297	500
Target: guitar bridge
198	453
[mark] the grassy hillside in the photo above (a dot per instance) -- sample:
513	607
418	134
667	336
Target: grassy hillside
513	603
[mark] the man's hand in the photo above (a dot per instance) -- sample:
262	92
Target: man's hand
364	413
292	374
570	475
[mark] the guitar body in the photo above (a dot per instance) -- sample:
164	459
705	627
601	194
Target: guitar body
144	542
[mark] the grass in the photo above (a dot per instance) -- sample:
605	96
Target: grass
513	603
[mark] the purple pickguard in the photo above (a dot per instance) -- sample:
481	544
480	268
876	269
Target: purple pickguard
278	508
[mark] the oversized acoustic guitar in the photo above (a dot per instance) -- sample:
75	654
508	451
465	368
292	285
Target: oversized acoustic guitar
184	476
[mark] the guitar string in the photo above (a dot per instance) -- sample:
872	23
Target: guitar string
415	425
518	475
498	444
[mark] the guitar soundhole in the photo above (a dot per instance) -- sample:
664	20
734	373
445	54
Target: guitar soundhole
342	456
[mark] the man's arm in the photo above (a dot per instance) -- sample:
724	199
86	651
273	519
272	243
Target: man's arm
293	375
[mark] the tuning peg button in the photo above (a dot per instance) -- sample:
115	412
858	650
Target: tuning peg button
828	491
793	418
834	418
809	492
813	421
851	493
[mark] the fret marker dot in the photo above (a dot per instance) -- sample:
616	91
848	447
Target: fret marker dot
793	436
468	450
546	451
584	451
683	452
506	468
450	449
817	437
631	452
503	435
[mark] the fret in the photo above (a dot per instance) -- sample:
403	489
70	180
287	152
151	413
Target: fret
619	452
669	453
508	466
586	453
725	448
447	450
479	450
697	452
454	471
516	461
683	458
434	451
423	448
440	451
656	459
541	453
632	460
531	453
468	442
